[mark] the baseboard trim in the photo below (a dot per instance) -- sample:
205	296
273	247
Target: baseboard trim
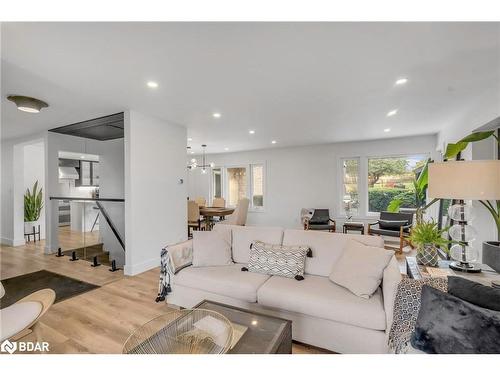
11	242
135	269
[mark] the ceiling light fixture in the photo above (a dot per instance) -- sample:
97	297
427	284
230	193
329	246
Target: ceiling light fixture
152	85
27	103
251	132
216	115
273	142
190	139
193	164
387	130
392	113
226	149
401	81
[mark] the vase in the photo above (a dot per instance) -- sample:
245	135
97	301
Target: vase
427	255
491	254
28	226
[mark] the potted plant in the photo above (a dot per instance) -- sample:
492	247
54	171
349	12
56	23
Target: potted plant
33	204
427	237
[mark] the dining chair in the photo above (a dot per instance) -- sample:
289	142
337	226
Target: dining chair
219	202
239	216
202	202
194	219
18	319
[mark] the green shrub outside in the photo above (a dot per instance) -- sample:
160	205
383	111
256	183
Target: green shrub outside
379	198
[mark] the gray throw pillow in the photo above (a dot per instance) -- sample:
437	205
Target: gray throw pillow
475	293
448	325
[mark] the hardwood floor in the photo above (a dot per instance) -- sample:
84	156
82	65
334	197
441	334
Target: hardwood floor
98	321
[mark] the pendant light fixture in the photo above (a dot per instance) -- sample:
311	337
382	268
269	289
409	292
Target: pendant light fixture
27	103
193	164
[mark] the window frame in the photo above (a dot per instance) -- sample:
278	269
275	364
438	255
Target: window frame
340	208
249	180
363	212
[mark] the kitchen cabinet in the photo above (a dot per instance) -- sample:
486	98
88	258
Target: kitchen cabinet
89	173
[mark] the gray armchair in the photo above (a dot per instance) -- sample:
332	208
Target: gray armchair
393	224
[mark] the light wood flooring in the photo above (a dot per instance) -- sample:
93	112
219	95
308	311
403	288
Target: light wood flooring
98	321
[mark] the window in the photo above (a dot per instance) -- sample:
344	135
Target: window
257	183
350	187
217	182
392	178
236	185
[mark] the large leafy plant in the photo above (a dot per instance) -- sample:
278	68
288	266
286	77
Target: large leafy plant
33	203
428	233
420	185
453	149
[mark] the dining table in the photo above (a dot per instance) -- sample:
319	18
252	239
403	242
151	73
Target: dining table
209	212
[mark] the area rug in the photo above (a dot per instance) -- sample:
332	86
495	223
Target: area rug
23	285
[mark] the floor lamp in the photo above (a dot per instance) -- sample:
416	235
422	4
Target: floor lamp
464	180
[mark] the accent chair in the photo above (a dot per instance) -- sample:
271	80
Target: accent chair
393	224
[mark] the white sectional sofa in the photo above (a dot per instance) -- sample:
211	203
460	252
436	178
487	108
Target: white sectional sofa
324	314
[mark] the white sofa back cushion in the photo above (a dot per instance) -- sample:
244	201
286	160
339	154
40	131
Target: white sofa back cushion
244	236
326	247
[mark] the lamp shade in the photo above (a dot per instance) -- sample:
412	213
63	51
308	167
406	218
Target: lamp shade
476	179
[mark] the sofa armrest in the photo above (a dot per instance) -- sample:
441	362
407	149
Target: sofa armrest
180	255
391	278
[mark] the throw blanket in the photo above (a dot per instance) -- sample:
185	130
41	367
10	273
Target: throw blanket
173	259
406	308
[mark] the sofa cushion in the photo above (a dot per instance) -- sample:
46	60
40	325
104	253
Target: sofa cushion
317	296
326	247
360	268
210	249
224	280
244	236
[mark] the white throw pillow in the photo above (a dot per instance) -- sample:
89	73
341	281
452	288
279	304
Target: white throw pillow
210	249
360	268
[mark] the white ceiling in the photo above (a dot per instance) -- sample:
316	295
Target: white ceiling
297	83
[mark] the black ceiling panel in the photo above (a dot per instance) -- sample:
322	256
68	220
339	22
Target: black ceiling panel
101	129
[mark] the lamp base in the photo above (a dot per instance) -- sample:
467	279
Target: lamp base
464	267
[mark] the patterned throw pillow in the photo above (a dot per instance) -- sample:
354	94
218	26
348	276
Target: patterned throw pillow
277	260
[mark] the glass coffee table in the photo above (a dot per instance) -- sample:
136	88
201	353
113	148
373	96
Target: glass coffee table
255	333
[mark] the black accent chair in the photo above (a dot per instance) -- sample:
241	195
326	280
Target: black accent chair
320	221
393	224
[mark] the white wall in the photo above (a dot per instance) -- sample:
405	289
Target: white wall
12	188
34	170
300	177
155	200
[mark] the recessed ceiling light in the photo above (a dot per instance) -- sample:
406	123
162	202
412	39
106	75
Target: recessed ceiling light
392	112
387	130
82	157
190	139
401	81
216	115
226	149
191	152
152	84
251	132
273	142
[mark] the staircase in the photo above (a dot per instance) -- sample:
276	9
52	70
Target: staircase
88	253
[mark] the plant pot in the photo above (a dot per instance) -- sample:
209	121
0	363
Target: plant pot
427	255
28	226
491	254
